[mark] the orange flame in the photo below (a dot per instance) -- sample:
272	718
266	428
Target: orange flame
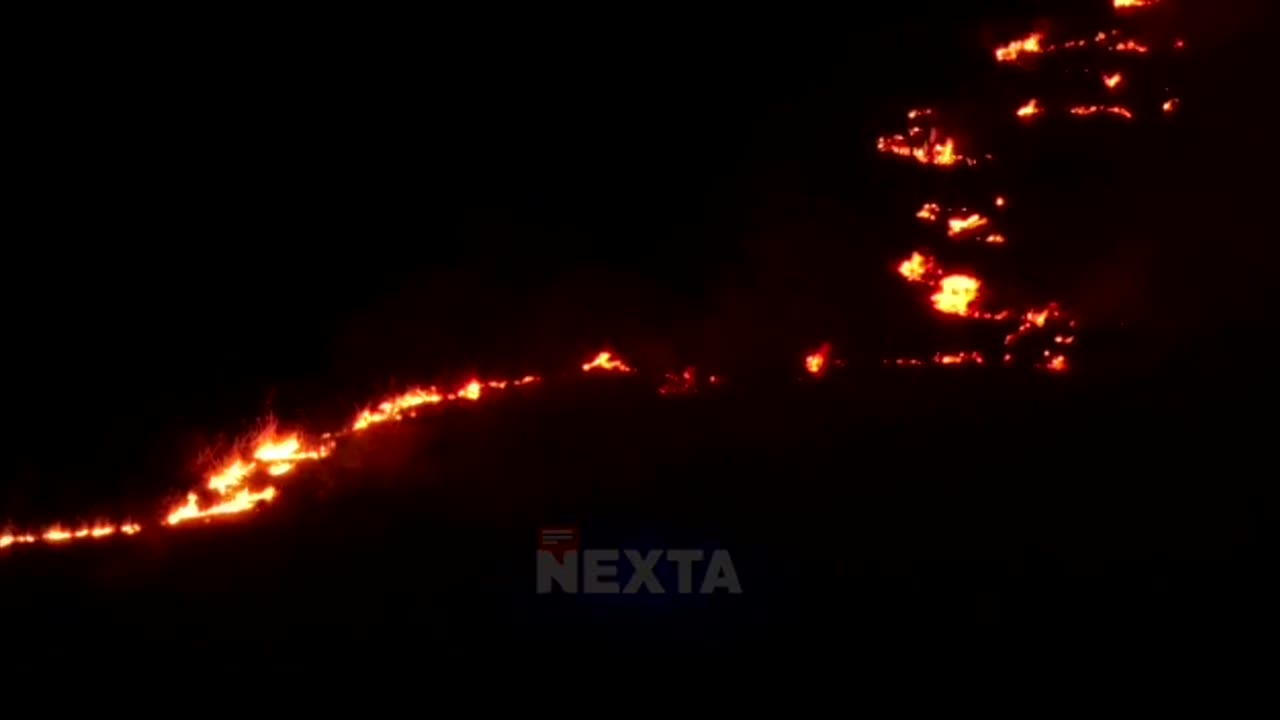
1095	109
816	362
1029	44
962	358
955	294
916	267
1130	46
958	226
606	361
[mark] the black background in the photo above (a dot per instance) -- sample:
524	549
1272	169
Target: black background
216	217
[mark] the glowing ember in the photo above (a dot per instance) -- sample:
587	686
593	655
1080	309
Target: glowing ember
1130	46
1031	109
1125	4
1170	105
916	267
958	226
936	153
273	455
240	502
606	361
946	359
1095	109
929	212
682	383
1035	320
816	363
958	358
1112	81
955	294
1029	44
1057	363
471	391
925	147
247	478
1034	45
396	407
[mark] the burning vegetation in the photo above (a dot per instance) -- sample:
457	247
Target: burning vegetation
258	471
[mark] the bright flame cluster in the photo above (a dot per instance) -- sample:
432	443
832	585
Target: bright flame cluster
927	146
960	294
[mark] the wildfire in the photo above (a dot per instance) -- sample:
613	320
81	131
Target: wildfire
934	153
57	534
816	362
959	226
606	361
1131	46
958	294
396	407
250	474
1056	363
255	472
929	147
1034	45
916	267
963	358
1012	51
1095	109
269	453
955	294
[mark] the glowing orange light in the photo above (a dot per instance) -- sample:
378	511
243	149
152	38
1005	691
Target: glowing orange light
816	363
955	294
1017	48
606	361
915	267
1095	109
958	226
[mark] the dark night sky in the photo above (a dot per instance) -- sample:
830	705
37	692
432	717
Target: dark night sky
219	215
